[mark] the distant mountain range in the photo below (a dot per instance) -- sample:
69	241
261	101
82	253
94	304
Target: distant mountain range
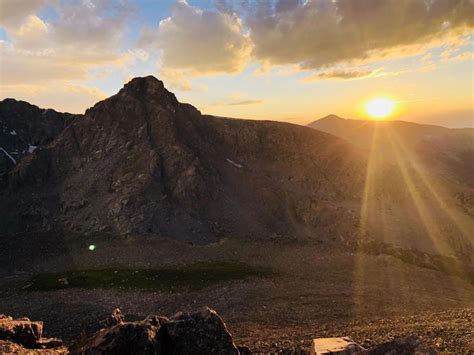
444	152
140	162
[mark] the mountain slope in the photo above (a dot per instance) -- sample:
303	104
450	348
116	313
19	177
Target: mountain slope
140	163
24	128
448	153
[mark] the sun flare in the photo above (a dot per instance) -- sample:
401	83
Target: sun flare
380	108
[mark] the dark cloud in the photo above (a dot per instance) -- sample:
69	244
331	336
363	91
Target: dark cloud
321	33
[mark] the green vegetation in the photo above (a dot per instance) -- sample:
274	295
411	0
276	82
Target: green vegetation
169	279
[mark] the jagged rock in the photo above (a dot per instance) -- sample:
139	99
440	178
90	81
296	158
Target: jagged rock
115	318
139	338
21	335
23	332
8	347
202	332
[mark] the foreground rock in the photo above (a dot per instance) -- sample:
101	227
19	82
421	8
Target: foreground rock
128	338
22	335
343	346
202	332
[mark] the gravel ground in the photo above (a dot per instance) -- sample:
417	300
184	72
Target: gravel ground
316	293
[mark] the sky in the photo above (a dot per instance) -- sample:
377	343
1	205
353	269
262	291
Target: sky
286	60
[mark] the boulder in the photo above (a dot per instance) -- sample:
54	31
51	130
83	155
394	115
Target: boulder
340	346
202	332
115	318
19	336
8	347
138	338
23	332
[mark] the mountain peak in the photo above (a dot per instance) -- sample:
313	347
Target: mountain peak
146	82
147	87
146	90
331	117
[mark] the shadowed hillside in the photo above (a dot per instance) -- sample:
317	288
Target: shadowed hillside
140	162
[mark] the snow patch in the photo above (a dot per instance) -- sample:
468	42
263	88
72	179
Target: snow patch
237	165
8	155
31	148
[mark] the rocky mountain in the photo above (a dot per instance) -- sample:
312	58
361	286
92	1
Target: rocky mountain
25	128
448	153
140	162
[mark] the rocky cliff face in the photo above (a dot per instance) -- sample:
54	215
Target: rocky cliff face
141	162
25	128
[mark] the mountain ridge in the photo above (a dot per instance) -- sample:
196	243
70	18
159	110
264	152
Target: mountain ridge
142	163
179	169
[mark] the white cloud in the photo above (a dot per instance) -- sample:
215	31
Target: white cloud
46	57
348	74
199	41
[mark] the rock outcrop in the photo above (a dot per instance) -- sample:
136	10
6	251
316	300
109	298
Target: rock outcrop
199	333
22	336
202	332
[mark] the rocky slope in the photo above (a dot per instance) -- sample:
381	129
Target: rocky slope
25	128
140	162
448	153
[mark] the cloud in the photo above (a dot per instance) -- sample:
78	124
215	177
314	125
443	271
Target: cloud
456	55
244	102
234	99
82	38
67	97
200	41
14	11
322	33
175	79
347	74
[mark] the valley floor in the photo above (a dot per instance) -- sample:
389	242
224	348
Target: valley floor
316	291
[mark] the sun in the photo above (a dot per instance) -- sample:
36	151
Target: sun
380	108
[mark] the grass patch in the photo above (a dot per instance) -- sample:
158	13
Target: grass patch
170	279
